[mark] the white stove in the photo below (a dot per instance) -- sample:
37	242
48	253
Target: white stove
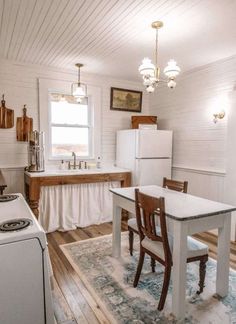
25	293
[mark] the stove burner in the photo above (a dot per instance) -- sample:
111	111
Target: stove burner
15	225
6	198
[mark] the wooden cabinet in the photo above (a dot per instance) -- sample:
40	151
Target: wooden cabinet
2	183
136	120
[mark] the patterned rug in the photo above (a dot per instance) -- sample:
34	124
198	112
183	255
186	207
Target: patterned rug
109	282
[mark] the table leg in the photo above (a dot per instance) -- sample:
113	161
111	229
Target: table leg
179	268
223	255
116	230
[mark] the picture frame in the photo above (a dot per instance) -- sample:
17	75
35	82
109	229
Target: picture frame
126	100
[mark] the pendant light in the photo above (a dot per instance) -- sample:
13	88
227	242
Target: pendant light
78	89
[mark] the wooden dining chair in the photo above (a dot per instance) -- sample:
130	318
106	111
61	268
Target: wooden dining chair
158	243
181	186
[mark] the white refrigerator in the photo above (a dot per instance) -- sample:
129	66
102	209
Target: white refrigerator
147	153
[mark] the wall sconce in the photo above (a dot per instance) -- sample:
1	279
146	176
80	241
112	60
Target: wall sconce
218	116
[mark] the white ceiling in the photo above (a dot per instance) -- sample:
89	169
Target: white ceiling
112	36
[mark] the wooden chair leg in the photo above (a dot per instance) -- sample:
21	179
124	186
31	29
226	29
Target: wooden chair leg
139	268
153	264
202	274
164	288
131	241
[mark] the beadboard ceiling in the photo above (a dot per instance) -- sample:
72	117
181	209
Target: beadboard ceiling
112	36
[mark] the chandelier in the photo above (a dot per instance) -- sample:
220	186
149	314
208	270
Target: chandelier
151	72
78	89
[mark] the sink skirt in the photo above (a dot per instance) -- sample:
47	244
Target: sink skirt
67	207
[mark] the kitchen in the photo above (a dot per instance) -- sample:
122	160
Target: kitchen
34	61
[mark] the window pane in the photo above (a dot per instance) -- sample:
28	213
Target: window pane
63	112
66	140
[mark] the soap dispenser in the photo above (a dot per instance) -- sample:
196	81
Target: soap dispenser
99	163
62	165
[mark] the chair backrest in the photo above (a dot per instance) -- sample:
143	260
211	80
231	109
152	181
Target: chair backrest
150	211
181	186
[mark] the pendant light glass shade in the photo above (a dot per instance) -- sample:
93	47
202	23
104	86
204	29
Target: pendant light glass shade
78	89
147	68
172	70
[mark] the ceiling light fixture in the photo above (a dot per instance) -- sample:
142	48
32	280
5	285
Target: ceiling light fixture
78	89
151	72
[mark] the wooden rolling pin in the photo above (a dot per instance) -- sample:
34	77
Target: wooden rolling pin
6	115
24	125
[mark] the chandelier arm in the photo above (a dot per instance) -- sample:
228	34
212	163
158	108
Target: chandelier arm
163	81
156	56
156	47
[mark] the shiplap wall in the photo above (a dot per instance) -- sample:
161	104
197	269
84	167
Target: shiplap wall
19	83
199	150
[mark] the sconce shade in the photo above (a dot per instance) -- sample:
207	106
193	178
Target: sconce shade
218	116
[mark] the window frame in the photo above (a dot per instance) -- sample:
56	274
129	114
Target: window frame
90	127
46	86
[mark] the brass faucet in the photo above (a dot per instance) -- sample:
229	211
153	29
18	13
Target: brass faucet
84	163
74	156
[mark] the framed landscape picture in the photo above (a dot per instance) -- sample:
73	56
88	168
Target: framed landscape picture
126	100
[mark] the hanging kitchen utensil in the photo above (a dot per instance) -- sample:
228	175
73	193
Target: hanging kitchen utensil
6	115
24	125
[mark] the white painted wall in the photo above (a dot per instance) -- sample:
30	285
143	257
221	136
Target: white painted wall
230	181
19	83
200	149
199	144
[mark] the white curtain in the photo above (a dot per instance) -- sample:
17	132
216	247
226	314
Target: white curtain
66	207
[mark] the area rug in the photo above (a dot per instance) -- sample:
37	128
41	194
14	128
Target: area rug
109	281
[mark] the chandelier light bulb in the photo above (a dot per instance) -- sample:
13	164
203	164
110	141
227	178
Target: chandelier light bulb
147	82
171	84
150	89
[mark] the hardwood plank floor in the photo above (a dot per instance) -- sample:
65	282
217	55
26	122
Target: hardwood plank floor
70	305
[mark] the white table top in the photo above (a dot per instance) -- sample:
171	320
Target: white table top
178	205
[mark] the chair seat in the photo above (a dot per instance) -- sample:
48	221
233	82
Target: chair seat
195	248
133	224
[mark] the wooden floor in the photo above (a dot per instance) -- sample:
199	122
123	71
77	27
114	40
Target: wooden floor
69	302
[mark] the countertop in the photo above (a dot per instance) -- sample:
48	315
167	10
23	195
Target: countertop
57	172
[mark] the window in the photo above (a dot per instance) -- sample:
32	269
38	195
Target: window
69	124
70	127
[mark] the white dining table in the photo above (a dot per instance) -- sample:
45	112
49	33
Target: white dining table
186	215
